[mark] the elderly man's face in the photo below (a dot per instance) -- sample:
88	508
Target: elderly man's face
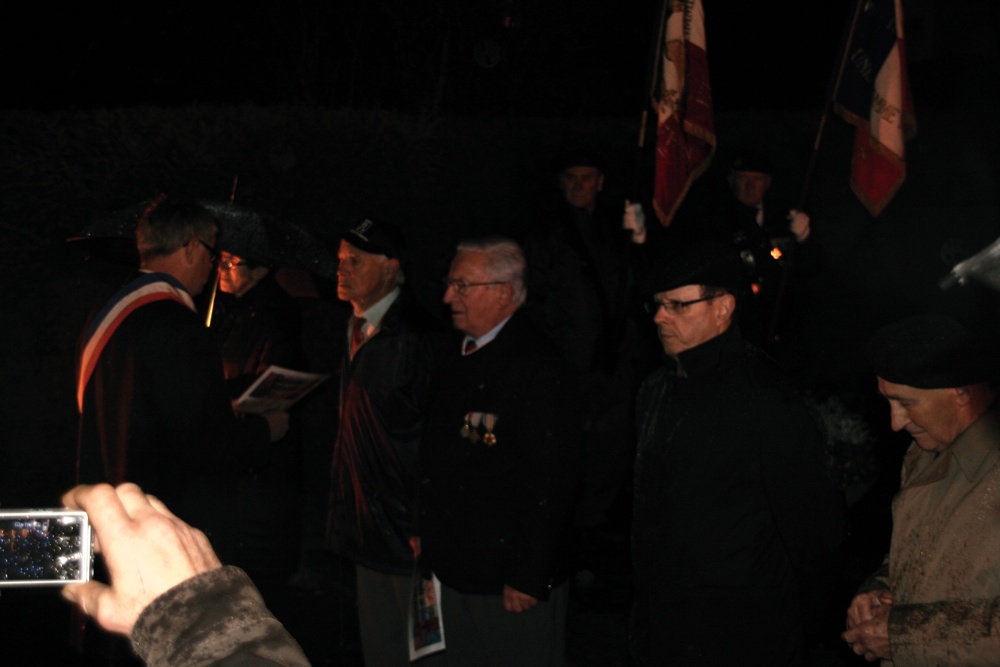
682	327
478	302
363	278
580	186
750	186
930	416
236	276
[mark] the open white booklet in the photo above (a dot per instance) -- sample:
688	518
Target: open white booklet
278	388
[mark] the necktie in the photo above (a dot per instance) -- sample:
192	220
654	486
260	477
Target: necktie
357	334
470	347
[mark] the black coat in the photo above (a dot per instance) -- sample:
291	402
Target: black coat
496	513
261	328
734	515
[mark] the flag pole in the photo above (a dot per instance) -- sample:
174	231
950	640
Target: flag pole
828	106
652	78
772	328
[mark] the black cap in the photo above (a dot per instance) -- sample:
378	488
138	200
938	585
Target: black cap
377	237
750	161
697	262
579	157
931	351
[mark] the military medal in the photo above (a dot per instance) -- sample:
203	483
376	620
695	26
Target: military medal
490	422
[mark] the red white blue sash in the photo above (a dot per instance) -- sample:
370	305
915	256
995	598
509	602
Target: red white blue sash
147	288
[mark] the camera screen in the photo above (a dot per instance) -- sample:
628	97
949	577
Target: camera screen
44	548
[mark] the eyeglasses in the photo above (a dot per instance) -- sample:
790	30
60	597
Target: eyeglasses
230	264
216	255
463	287
672	306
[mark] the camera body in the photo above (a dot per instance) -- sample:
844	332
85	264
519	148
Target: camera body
45	547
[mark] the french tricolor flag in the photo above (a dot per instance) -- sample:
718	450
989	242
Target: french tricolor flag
874	96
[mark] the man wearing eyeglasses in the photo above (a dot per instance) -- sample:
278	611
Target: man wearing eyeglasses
498	470
388	353
153	404
734	516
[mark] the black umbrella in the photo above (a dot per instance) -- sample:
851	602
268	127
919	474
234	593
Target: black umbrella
244	232
268	240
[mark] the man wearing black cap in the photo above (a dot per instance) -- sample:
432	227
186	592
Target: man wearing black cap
384	379
733	510
936	598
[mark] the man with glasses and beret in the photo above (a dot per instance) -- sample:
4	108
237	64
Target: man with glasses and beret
734	515
257	324
388	349
498	470
936	598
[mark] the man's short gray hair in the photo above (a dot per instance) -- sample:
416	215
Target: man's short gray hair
505	262
168	223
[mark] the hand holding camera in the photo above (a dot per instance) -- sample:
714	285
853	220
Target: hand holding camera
146	548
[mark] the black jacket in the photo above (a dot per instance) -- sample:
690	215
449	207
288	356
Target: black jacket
383	395
734	515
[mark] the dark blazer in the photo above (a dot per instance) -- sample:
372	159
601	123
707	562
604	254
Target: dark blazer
496	510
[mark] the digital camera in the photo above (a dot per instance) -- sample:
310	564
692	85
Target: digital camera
45	547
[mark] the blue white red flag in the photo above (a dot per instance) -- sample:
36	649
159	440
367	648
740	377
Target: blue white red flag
874	96
685	131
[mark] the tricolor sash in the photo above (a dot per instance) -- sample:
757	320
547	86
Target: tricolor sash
147	288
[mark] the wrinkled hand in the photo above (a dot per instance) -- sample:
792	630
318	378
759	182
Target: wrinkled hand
868	625
277	422
516	601
635	221
146	548
799	225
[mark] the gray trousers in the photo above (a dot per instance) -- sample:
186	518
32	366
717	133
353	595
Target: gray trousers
382	616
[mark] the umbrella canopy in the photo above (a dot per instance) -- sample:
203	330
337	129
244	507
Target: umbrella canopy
267	240
244	232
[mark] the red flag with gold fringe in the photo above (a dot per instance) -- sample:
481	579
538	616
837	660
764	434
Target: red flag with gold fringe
685	134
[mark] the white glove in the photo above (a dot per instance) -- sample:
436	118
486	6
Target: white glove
635	220
799	224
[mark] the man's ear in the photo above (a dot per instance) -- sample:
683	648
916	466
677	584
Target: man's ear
724	306
506	293
390	266
962	395
190	250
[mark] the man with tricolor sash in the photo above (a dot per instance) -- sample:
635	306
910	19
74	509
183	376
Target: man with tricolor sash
153	405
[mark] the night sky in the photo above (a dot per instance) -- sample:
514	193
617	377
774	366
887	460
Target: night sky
468	57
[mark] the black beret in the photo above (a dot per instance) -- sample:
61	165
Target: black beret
696	262
377	237
930	351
